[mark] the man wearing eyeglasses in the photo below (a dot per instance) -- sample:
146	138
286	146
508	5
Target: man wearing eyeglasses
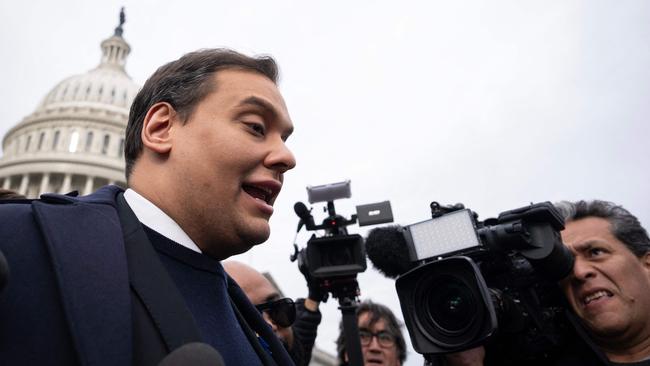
294	324
381	338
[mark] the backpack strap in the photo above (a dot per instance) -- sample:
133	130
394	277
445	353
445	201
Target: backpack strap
87	253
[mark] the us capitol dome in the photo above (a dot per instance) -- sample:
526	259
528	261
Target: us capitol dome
74	140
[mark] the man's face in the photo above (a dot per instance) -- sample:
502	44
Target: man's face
374	353
609	288
229	159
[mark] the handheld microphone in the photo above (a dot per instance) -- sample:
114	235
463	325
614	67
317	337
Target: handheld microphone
387	250
193	354
305	215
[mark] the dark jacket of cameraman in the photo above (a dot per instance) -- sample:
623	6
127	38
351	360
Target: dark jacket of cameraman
304	333
576	349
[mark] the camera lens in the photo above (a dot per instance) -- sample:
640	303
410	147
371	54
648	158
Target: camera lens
451	305
447	304
339	256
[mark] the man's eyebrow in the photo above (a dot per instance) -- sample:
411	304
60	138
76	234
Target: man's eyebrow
259	102
585	246
267	107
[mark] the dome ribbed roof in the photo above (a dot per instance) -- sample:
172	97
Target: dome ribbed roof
108	84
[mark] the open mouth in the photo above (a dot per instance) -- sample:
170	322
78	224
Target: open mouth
596	296
260	193
374	362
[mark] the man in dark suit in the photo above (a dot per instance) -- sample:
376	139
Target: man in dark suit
118	278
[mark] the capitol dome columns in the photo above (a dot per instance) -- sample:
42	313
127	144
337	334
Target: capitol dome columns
74	138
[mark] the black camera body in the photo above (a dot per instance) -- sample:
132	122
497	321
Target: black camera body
488	281
335	259
338	256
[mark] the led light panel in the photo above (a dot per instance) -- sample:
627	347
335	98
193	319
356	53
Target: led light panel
329	192
449	233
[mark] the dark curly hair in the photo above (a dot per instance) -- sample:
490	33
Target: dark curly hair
377	312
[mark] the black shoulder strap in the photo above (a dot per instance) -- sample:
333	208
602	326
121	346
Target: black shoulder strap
85	246
152	283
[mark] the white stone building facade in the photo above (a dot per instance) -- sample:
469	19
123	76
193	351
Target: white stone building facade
74	140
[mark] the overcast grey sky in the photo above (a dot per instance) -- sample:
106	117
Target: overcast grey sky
491	103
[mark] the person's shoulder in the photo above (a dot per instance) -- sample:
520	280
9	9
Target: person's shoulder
104	195
20	211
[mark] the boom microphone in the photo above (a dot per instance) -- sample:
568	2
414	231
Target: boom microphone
387	250
193	354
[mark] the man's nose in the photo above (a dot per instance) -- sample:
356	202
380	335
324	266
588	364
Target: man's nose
374	344
583	270
280	157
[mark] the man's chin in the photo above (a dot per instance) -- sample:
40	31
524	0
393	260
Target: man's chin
258	239
606	326
258	232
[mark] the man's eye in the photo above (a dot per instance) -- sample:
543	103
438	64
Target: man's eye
385	336
258	128
596	251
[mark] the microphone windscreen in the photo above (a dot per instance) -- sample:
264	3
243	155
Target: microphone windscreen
387	250
195	354
301	210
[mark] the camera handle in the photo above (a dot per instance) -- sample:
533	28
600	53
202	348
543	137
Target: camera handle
348	308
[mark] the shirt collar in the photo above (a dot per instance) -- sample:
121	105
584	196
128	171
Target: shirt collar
157	220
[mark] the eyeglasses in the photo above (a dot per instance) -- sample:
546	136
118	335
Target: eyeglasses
282	312
384	338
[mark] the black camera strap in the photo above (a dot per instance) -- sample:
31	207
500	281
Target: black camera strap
351	330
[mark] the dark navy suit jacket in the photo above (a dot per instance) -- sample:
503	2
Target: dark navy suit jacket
86	288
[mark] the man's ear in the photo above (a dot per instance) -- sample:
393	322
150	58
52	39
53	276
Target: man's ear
156	127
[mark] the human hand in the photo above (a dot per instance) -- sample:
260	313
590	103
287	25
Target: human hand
316	291
470	357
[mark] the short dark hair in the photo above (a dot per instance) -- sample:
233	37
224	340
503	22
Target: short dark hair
377	312
623	225
183	84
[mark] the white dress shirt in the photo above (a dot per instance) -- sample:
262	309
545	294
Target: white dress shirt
157	220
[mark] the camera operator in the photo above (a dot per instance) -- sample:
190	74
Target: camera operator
381	338
299	337
608	290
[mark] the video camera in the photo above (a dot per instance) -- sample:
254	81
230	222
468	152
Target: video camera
494	279
336	258
337	255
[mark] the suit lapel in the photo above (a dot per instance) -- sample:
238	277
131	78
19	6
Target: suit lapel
153	285
88	257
